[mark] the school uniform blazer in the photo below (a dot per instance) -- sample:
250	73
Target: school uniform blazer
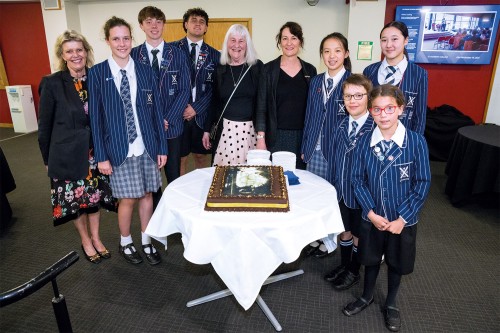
396	187
319	115
173	85
414	87
342	159
108	120
63	129
266	117
207	62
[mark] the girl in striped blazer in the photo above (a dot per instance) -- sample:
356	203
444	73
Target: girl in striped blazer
396	69
391	179
325	109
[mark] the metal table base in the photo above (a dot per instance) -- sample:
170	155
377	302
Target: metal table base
263	306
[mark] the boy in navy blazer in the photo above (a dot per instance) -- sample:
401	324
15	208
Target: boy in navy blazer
355	93
202	60
391	179
168	63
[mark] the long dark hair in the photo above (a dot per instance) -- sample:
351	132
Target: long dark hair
338	36
401	27
295	29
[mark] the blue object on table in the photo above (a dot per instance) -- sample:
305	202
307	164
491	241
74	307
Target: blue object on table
292	178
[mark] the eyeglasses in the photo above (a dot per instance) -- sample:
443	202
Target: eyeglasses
356	97
389	109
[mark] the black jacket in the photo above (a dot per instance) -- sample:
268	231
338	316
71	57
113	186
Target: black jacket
266	117
218	105
63	129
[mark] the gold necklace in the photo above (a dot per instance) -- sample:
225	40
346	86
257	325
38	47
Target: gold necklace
239	77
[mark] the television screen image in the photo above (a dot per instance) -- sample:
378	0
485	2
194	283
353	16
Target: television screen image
450	34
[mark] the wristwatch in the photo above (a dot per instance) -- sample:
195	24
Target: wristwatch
260	136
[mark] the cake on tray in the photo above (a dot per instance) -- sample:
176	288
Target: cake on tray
259	188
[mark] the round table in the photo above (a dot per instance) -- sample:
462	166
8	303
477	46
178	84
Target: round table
473	163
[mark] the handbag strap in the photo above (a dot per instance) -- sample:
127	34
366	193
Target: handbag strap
236	87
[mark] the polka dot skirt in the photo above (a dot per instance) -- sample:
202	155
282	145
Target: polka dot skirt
237	138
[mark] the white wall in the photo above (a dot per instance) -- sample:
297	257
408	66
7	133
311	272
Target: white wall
267	17
366	19
493	108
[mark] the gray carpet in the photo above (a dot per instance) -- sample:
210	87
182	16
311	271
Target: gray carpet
454	287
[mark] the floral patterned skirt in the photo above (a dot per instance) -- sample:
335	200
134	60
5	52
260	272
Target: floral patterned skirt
70	199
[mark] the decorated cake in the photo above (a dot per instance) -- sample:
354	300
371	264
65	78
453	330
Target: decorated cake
248	188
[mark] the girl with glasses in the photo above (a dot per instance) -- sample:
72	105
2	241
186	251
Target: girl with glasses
396	69
325	109
391	180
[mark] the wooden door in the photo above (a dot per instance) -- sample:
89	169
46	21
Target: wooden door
214	37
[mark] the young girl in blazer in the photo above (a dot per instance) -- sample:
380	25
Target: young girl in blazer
325	109
391	179
396	69
129	137
356	90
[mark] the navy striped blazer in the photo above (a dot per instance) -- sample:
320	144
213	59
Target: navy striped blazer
414	87
396	187
107	115
319	115
342	160
173	85
206	65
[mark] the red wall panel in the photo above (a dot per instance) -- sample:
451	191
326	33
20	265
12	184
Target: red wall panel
24	50
462	86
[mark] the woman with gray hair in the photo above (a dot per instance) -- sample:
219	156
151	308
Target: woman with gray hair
234	102
78	189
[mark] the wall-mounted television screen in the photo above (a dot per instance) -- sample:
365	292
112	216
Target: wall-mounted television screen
450	34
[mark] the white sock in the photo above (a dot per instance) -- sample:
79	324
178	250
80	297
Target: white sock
125	240
146	239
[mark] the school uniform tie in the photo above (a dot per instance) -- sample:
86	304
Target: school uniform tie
389	78
127	103
193	63
352	134
155	65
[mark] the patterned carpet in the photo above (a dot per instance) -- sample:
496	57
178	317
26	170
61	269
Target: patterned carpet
454	287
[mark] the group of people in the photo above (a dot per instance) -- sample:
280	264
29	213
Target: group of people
105	132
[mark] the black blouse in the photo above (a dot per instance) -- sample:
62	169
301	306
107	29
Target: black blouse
291	100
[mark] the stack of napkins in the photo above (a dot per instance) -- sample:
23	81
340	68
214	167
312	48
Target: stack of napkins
292	178
258	157
285	159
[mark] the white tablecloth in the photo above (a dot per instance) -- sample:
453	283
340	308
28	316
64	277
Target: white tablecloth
245	248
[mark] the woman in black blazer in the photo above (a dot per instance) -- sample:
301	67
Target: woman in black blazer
282	96
78	190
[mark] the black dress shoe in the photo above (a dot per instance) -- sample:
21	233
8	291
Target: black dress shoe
356	307
95	259
153	257
134	257
103	254
309	250
392	318
345	280
335	273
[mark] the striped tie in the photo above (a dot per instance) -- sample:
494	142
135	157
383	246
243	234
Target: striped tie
155	65
193	63
389	78
352	134
127	104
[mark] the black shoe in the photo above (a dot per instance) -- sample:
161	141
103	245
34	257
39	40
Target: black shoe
309	250
95	259
392	318
319	253
153	257
345	280
356	307
103	254
134	257
335	273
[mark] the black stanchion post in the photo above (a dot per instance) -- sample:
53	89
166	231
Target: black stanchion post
61	310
